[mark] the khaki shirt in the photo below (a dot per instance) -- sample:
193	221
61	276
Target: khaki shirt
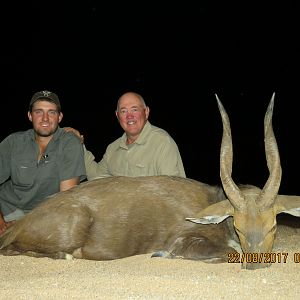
153	153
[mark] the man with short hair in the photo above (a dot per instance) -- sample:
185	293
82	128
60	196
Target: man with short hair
39	162
143	149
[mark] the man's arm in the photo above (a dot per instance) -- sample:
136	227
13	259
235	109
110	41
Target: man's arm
94	169
67	184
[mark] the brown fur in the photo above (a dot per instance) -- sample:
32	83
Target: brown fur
116	217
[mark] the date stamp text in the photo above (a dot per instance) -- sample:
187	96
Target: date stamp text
268	257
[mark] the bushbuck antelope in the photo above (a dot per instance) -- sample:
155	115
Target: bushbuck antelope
253	210
170	217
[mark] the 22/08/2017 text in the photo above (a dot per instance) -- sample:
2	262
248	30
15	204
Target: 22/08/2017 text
268	257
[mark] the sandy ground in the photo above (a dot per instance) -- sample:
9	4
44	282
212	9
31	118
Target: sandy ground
142	277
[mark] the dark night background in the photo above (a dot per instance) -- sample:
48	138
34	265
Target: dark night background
177	56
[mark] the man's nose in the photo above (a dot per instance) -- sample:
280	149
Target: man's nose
45	116
129	114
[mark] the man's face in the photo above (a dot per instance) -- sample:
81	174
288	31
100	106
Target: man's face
45	118
132	115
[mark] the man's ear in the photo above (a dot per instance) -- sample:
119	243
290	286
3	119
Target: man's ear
60	117
147	112
29	116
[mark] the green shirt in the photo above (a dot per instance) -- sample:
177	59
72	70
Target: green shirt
25	182
153	153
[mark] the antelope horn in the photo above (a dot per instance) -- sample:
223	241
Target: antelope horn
232	191
270	190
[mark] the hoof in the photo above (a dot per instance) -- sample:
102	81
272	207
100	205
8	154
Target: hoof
69	256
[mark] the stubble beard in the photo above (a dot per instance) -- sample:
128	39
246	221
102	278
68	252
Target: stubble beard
45	133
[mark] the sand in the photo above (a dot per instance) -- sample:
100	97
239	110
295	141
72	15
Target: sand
143	277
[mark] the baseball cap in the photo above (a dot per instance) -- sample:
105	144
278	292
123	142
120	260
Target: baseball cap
49	96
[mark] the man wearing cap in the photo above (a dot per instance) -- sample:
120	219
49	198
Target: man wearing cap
39	162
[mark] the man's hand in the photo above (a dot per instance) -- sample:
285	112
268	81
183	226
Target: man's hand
4	225
76	132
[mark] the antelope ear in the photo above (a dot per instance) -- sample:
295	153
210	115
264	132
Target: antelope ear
214	214
288	204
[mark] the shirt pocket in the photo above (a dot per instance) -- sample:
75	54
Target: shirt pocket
23	172
138	169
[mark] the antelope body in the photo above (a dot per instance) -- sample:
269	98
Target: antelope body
171	217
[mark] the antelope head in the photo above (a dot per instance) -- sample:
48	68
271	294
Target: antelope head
253	210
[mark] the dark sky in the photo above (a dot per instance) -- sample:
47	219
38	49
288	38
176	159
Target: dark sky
177	57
